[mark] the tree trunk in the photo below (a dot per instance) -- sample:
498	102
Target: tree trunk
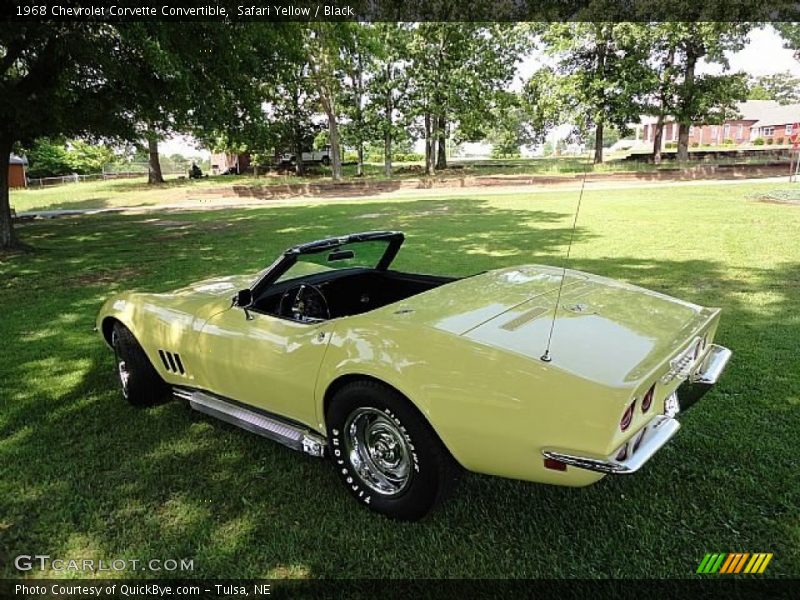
683	142
598	144
359	120
387	154
687	98
441	156
387	134
658	134
336	157
297	149
601	76
7	237
664	94
297	133
428	146
154	168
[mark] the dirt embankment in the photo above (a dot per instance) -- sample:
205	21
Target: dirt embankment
324	189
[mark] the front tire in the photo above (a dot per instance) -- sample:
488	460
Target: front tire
139	382
386	454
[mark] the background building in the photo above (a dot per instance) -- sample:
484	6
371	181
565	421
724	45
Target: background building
16	172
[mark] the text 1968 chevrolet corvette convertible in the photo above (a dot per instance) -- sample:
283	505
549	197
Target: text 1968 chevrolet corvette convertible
402	379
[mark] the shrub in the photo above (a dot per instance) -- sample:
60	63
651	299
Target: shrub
695	144
780	141
48	158
728	142
770	141
758	142
670	146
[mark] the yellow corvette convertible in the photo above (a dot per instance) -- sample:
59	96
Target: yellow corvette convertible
402	379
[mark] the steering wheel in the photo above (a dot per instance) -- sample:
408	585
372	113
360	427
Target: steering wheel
308	303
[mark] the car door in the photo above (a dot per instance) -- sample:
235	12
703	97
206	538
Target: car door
264	361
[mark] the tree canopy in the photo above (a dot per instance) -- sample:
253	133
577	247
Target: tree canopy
274	87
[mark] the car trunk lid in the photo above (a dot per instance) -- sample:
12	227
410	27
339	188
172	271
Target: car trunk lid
605	330
462	305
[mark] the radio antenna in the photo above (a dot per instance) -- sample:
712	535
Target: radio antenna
546	356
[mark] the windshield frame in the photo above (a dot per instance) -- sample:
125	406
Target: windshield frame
290	257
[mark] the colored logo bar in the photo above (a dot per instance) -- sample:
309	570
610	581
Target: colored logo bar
734	562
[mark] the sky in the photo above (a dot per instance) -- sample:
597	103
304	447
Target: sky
763	55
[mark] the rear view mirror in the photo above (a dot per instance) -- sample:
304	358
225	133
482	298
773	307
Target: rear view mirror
341	255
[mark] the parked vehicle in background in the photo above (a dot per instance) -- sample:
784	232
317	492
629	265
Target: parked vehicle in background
321	156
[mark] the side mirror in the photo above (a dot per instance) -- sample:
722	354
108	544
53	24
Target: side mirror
244	300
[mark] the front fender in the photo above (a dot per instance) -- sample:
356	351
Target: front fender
119	307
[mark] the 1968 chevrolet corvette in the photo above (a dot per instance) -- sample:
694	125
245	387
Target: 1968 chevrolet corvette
403	379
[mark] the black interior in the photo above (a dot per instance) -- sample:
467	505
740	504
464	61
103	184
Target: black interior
346	292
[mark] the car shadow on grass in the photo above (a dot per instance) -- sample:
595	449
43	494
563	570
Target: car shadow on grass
84	475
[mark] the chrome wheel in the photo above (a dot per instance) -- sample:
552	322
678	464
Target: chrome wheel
124	376
378	451
122	368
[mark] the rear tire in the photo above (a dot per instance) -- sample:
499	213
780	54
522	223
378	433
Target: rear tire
386	453
140	383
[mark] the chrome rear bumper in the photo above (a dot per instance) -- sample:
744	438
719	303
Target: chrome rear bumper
705	376
662	427
656	434
712	366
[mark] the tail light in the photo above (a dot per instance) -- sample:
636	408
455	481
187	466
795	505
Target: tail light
555	465
647	401
627	417
623	452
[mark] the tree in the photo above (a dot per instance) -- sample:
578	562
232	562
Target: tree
60	79
510	127
194	70
662	77
602	74
546	102
456	72
784	88
386	110
704	98
358	57
47	158
323	50
77	79
292	114
273	111
791	36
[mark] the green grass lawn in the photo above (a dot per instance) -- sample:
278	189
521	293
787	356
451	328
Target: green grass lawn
84	475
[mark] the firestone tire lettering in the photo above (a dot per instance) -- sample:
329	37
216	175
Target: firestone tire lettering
433	470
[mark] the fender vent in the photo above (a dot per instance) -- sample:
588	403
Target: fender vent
172	362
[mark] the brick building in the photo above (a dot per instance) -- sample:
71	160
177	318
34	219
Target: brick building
758	119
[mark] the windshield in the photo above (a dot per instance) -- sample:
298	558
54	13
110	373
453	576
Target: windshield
366	250
346	256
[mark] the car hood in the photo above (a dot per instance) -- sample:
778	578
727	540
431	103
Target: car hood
605	330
